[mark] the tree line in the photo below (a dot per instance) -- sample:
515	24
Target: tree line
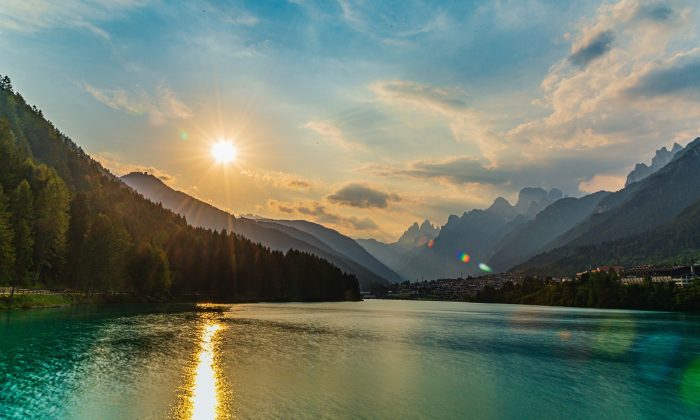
596	290
66	222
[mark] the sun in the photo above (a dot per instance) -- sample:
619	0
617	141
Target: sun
224	151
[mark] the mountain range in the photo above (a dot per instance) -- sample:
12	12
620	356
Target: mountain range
68	223
280	235
548	233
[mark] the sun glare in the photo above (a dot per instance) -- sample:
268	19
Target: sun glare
224	151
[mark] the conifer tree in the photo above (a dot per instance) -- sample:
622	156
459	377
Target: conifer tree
22	204
7	248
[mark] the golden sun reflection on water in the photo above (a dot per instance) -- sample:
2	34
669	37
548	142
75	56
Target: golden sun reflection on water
204	393
205	389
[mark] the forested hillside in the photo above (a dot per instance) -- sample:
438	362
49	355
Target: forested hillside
66	222
677	242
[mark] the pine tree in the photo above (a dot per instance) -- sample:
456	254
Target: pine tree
22	205
51	223
7	248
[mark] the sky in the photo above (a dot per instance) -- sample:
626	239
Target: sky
365	116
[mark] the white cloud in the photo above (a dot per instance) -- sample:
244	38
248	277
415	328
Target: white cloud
37	15
160	106
333	133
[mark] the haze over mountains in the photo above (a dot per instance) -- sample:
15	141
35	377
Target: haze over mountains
542	231
67	223
280	235
545	232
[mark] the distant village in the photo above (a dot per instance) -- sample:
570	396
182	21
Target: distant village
466	288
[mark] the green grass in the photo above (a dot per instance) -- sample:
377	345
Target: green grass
34	301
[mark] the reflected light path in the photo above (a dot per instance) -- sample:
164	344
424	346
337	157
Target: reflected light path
204	397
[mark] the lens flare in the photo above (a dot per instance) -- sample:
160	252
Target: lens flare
464	257
564	335
614	336
486	268
184	135
690	385
431	243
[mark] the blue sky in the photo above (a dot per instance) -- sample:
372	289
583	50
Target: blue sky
363	115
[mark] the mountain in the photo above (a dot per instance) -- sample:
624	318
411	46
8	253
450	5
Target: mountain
673	243
418	235
644	204
643	209
77	226
662	157
533	237
390	254
278	235
340	243
475	234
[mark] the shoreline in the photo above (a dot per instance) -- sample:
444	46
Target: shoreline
44	301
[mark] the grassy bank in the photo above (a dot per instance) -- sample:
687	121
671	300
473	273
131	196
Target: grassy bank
34	301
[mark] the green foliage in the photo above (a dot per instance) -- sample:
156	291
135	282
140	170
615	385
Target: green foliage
7	248
74	225
34	301
149	271
596	290
22	205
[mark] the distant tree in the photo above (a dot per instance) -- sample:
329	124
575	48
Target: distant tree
7	248
6	84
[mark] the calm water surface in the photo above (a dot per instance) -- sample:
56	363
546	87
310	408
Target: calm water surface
373	359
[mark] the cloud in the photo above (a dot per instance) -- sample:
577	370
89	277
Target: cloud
558	170
457	170
362	196
602	183
467	125
115	163
623	100
679	75
161	106
276	205
279	179
38	15
660	12
321	214
442	100
593	48
333	133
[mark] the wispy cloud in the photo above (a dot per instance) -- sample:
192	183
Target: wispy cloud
322	214
332	132
117	164
279	179
160	106
38	15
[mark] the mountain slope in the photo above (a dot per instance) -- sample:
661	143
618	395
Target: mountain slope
662	157
475	233
342	244
675	242
642	205
534	236
643	213
117	241
273	234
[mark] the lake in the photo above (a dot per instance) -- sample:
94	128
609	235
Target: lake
372	359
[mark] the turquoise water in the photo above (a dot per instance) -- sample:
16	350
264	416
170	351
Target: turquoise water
372	359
